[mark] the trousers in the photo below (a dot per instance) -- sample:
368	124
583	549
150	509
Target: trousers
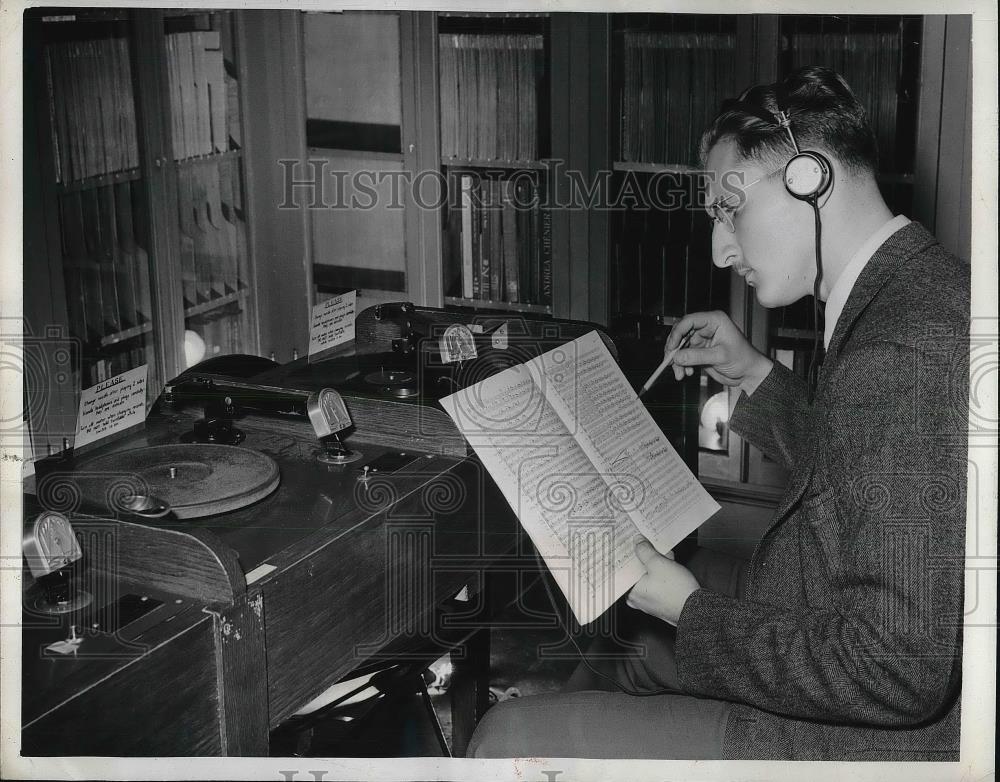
622	701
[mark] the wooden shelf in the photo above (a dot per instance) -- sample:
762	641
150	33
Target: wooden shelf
514	165
214	157
357	154
103	180
214	304
653	168
121	336
476	304
494	14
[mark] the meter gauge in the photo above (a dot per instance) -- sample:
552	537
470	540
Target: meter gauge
457	344
51	550
328	415
327	412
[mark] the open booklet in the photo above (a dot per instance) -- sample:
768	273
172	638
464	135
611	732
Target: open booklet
584	467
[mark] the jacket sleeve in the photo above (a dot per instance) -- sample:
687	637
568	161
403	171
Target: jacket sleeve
776	417
869	630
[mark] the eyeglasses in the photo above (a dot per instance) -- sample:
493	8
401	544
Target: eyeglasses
722	210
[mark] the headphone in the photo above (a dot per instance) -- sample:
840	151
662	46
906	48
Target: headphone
808	174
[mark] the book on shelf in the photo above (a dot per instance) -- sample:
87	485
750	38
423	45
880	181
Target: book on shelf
91	108
106	266
510	267
202	95
584	467
545	261
465	235
870	63
672	85
489	85
498	240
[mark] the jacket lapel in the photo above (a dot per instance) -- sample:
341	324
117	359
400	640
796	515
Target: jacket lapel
884	264
898	248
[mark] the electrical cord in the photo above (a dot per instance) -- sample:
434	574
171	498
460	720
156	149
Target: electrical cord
814	360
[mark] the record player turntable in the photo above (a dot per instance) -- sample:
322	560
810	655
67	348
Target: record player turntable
270	530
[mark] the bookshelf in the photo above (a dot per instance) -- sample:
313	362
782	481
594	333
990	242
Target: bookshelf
493	83
94	182
136	155
669	74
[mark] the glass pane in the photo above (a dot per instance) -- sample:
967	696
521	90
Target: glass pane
206	140
713	416
354	115
671	73
99	194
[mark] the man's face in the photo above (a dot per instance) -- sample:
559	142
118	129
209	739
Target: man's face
773	246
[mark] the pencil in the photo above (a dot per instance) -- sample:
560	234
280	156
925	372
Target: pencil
667	360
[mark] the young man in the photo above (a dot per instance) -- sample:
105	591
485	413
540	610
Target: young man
842	639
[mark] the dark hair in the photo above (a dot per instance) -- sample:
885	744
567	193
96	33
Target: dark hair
825	115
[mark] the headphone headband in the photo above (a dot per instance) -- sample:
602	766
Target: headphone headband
808	174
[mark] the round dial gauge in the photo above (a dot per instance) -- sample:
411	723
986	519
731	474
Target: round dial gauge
327	412
51	544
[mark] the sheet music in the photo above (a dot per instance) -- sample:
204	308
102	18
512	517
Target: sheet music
583	466
643	470
552	486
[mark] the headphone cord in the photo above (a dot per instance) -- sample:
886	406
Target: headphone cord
814	360
579	651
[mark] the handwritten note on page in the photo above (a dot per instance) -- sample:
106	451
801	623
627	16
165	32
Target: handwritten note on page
584	467
111	407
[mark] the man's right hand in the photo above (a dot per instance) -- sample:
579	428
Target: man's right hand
721	348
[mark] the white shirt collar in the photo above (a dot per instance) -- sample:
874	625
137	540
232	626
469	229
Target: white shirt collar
845	283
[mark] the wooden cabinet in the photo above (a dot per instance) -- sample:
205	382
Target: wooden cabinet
143	241
495	141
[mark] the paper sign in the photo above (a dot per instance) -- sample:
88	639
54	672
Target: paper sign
112	406
332	322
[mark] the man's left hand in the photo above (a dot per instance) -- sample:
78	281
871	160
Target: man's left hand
665	587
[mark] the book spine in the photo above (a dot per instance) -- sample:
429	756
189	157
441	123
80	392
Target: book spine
446	82
485	260
216	83
496	240
54	128
545	261
189	100
510	264
477	241
523	242
467	217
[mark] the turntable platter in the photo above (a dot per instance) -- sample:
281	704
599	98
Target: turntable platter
396	382
194	479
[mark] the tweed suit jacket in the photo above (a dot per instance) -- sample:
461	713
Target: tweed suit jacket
847	641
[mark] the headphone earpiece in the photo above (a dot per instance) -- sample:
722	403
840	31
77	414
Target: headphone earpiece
807	175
